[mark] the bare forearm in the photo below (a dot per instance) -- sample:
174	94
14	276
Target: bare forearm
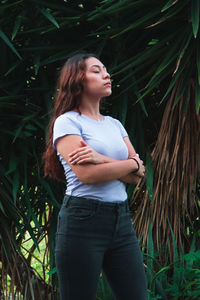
93	174
130	178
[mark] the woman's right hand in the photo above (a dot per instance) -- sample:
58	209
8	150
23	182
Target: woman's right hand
85	154
141	171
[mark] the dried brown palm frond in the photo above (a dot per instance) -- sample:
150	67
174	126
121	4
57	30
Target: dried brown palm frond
176	164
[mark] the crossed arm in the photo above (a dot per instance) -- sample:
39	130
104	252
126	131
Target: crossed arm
92	168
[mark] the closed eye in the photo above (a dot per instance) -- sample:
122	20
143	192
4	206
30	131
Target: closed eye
95	70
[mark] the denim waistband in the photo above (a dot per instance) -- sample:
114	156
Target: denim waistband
72	200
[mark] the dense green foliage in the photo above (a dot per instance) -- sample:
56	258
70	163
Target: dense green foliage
149	47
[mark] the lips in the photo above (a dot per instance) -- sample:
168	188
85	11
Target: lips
108	83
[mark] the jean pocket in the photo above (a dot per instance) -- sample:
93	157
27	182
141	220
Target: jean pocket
81	213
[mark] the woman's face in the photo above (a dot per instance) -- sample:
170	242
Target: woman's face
97	80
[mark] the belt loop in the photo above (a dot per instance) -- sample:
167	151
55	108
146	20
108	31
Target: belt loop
127	205
95	205
66	200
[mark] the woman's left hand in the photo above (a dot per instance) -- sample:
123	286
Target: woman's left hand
85	154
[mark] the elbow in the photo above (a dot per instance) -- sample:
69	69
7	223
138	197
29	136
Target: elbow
87	179
84	179
84	174
88	175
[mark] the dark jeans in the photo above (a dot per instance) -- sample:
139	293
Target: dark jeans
91	236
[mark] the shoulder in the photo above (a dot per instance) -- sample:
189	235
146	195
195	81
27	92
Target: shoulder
69	117
114	121
67	122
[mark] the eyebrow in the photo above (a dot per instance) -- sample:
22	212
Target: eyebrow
97	66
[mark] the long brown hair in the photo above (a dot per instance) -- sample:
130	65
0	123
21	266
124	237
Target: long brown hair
68	96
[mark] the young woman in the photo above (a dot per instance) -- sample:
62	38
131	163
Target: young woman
93	151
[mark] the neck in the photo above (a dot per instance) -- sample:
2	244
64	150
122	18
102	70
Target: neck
90	107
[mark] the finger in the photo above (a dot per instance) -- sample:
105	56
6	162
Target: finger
75	151
79	152
84	161
80	149
83	143
78	159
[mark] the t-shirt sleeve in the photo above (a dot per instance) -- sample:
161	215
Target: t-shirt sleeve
121	128
64	125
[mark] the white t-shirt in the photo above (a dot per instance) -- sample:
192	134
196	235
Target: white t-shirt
105	137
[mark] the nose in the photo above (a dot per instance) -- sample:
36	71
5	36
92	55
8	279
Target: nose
106	75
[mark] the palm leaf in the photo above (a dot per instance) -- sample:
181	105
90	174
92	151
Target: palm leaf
169	4
49	16
4	6
10	45
195	11
197	97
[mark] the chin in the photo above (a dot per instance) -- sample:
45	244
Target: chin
108	93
